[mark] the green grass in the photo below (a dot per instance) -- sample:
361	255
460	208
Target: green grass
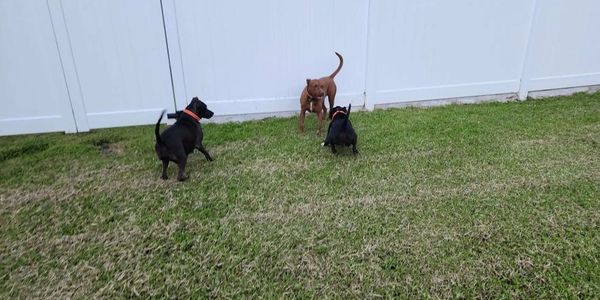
493	200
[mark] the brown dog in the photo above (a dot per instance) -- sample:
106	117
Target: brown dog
312	98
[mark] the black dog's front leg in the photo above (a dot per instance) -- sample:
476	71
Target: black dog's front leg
203	150
354	150
333	150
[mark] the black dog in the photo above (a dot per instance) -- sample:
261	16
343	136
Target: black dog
179	140
340	131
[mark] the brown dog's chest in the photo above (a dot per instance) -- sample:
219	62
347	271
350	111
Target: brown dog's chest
313	106
310	104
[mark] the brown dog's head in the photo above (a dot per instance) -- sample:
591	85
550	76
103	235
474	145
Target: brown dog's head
315	88
199	108
336	109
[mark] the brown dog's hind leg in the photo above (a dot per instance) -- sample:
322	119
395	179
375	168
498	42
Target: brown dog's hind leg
165	164
331	96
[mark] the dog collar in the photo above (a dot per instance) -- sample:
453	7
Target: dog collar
310	97
191	114
337	112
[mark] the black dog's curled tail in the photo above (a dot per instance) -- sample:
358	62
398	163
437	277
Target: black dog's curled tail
157	128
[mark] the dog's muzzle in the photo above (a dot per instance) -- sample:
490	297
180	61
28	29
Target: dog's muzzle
209	114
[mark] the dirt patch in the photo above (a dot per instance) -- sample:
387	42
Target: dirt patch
108	147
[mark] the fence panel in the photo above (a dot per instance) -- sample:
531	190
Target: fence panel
423	50
247	57
72	65
565	46
33	93
120	58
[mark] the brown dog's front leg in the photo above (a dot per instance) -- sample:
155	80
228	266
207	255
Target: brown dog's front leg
301	120
321	116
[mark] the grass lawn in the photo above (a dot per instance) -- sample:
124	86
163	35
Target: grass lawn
489	200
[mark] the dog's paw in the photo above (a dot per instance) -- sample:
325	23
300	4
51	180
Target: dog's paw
209	158
182	178
323	144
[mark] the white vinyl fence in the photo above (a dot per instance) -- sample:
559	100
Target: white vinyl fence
75	65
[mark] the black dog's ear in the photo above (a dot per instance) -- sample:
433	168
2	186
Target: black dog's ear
196	104
307	82
333	111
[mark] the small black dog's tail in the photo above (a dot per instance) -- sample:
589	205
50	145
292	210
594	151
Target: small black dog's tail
347	114
157	128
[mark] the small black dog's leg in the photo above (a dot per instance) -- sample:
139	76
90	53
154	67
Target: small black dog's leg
354	150
203	150
333	148
181	164
164	171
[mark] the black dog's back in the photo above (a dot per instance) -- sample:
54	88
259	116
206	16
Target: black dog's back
340	130
181	135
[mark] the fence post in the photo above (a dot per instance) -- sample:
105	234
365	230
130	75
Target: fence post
63	43
370	74
173	53
525	66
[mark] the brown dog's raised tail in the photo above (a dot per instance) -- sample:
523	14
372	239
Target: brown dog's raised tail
347	114
339	67
157	129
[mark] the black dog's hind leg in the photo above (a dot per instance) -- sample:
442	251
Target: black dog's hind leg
333	148
354	150
326	140
164	171
203	150
181	161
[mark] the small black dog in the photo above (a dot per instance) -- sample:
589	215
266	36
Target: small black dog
179	140
340	131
